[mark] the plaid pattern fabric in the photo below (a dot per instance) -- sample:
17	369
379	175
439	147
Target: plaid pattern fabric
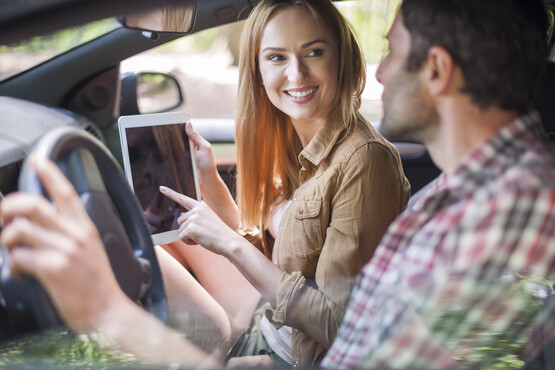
462	276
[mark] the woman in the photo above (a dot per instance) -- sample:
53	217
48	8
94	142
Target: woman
311	171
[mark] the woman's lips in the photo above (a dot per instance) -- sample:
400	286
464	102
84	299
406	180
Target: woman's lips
301	95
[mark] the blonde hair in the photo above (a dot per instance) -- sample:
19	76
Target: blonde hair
178	18
267	144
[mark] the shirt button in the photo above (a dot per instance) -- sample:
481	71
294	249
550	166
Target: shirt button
301	210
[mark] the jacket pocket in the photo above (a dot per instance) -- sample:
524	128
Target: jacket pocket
306	228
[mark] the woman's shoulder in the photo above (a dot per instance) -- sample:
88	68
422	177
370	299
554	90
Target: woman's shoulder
364	140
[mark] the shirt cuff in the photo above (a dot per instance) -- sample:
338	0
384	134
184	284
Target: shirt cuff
289	287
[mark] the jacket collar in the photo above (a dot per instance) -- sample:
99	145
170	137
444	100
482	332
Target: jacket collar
323	141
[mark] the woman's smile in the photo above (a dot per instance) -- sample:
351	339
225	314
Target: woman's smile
299	68
301	95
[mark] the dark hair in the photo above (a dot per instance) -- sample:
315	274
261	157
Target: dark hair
500	45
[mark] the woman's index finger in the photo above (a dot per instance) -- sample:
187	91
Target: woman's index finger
182	199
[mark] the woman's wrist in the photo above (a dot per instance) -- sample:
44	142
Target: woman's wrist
235	247
212	185
209	177
217	196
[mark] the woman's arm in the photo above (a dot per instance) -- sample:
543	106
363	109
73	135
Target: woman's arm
367	194
371	193
201	225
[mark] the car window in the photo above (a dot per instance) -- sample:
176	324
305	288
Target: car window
205	65
371	20
29	53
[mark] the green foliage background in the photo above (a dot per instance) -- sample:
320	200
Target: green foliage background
371	20
62	40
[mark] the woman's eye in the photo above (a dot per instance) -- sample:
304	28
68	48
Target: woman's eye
316	53
276	58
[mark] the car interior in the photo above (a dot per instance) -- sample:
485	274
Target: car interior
66	108
545	98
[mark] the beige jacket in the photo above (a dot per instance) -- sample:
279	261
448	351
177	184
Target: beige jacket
353	186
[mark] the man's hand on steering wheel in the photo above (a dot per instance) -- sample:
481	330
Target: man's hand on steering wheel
59	245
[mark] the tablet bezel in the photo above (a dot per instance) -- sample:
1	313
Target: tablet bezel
149	120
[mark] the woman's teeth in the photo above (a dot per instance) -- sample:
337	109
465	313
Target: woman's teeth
300	94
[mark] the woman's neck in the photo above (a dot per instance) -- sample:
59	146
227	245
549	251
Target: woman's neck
306	129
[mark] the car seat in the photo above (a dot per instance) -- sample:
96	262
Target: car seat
545	100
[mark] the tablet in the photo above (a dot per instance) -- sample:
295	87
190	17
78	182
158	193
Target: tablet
157	151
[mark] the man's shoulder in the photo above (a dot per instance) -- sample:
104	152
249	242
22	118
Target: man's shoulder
533	170
519	196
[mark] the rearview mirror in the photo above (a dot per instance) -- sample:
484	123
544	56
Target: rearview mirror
170	18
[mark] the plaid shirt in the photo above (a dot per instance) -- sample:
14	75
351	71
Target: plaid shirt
462	276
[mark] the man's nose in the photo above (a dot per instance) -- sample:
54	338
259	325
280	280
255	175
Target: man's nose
379	72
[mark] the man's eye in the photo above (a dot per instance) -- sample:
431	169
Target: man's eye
316	53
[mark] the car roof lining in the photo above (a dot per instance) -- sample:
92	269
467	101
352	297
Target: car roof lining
21	19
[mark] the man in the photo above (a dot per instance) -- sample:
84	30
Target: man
462	269
450	283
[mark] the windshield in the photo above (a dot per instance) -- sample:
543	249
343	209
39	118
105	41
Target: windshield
27	54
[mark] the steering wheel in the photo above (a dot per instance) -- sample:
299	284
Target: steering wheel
112	206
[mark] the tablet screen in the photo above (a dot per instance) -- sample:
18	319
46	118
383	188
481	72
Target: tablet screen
158	155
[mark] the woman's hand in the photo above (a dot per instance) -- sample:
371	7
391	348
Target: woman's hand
60	246
201	225
204	156
212	188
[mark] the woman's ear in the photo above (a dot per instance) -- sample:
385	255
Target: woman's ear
439	70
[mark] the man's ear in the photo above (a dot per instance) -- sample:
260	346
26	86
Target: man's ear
439	70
